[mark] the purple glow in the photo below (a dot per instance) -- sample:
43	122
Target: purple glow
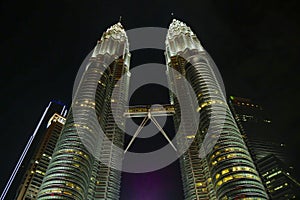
158	185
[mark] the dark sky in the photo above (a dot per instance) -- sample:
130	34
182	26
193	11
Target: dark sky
255	45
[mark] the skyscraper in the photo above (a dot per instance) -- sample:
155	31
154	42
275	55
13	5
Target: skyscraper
227	171
270	156
27	157
74	172
217	165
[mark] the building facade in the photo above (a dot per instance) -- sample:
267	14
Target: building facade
270	156
278	179
40	161
74	172
227	170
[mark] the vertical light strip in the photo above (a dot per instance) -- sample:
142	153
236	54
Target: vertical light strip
62	111
65	113
23	155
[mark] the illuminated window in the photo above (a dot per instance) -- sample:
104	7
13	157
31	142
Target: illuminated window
231	155
68	193
222	158
279	187
76	165
274	174
190	136
228	178
225	171
199	184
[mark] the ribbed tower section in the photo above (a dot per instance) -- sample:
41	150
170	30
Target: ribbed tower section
226	171
75	171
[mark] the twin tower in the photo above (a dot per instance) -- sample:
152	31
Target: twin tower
214	160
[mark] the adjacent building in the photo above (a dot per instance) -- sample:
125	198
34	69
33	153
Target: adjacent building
28	156
278	179
39	163
270	156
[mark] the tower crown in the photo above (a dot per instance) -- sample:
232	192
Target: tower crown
114	42
178	27
180	37
116	31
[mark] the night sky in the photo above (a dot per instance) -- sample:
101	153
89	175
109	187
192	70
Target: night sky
255	45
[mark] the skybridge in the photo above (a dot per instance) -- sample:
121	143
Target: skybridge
149	113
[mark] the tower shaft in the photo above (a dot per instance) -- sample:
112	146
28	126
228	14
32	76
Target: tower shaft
82	166
225	166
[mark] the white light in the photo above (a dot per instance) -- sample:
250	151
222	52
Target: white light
62	110
65	113
23	155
